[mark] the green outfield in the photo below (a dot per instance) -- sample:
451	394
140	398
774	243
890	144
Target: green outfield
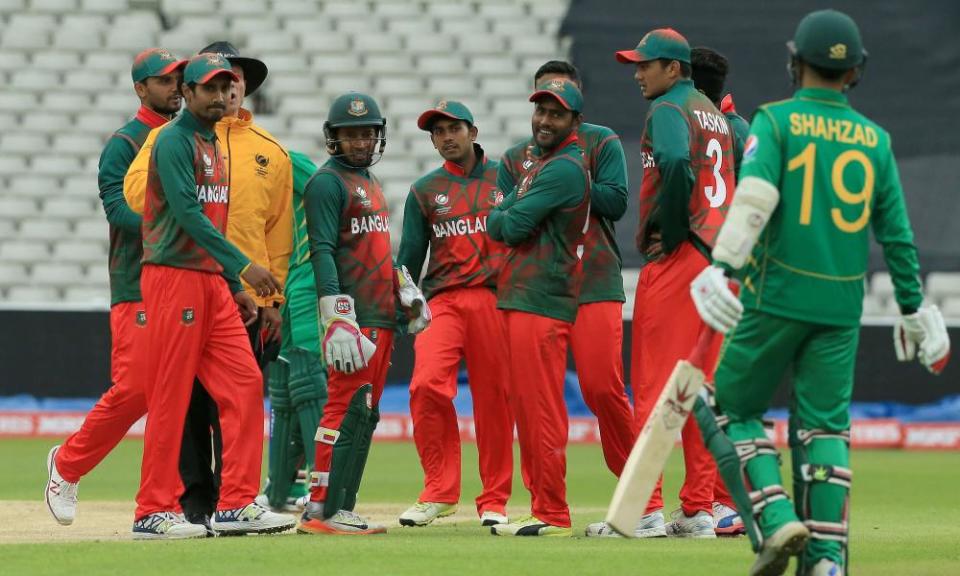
904	522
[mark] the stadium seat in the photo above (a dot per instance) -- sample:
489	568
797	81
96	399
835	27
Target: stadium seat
374	43
16	207
429	44
453	88
84	21
285	62
387	63
24	251
131	40
516	27
881	285
90	80
104	123
10	164
105	6
293	83
943	285
8	121
395	10
70	208
483	44
360	25
403	85
486	65
440	64
80	252
67	102
310	24
97	274
54	164
92	228
34	186
308	126
56	274
296	8
24	143
336	84
12	60
32	294
17	101
32	20
950	307
94	295
340	8
248	26
325	43
35	80
56	60
245	7
11	6
24	38
12	273
502	11
271	42
414	26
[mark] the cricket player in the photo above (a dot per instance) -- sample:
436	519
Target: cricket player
348	226
190	283
688	182
543	220
156	77
260	224
709	71
597	336
816	176
446	213
298	381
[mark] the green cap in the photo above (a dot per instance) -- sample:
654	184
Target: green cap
660	43
828	39
354	109
154	62
563	91
448	109
203	67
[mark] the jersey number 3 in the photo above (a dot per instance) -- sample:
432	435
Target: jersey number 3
716	194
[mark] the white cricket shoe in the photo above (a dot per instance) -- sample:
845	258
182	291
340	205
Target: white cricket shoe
727	521
166	526
773	558
60	495
700	525
650	526
423	513
826	567
490	518
344	522
250	519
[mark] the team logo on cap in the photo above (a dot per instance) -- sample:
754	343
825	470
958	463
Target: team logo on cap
838	51
643	41
165	55
556	84
357	107
442	105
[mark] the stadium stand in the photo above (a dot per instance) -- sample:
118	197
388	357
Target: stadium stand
65	68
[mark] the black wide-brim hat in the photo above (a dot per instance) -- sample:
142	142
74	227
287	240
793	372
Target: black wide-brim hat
254	71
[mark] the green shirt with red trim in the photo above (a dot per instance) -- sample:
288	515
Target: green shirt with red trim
186	203
607	165
838	179
126	245
446	211
348	224
543	221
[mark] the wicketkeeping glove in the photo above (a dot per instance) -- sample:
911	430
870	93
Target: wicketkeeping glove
345	348
715	301
925	331
412	300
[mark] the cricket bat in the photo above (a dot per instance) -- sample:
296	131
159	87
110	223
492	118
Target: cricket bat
656	440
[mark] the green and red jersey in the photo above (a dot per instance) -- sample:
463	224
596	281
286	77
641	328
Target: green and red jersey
741	129
126	245
348	223
838	179
607	165
543	220
688	172
446	211
186	204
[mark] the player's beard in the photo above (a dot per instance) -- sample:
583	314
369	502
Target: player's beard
168	106
549	144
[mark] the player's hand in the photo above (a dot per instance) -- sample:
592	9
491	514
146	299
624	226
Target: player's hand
923	335
247	307
345	348
271	324
412	301
260	279
715	301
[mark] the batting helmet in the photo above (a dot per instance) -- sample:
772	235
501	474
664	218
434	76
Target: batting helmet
354	109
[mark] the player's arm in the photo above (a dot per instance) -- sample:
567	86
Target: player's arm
754	201
135	180
671	152
559	185
174	162
416	237
324	200
278	229
608	187
116	157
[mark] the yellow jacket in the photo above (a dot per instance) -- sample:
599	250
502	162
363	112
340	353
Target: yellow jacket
260	217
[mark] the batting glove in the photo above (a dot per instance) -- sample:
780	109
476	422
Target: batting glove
345	348
718	306
923	335
412	300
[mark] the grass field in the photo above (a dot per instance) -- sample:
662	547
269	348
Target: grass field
904	522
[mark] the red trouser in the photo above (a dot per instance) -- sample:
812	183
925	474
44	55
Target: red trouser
665	329
120	407
466	324
597	345
194	331
538	361
341	388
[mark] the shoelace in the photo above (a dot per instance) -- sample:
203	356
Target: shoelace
422	506
155	521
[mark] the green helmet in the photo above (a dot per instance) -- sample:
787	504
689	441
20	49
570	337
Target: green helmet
828	39
354	109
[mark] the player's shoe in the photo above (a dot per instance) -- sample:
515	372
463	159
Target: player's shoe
789	540
293	504
250	519
650	526
727	521
166	526
60	495
344	522
825	567
202	519
490	518
423	513
530	526
700	525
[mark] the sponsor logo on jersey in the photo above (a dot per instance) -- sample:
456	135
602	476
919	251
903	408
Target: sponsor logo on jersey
712	122
838	51
213	194
460	227
750	147
357	107
187	316
207	165
262	163
441	199
496	197
527	164
648	160
361	194
524	184
342	306
374	223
